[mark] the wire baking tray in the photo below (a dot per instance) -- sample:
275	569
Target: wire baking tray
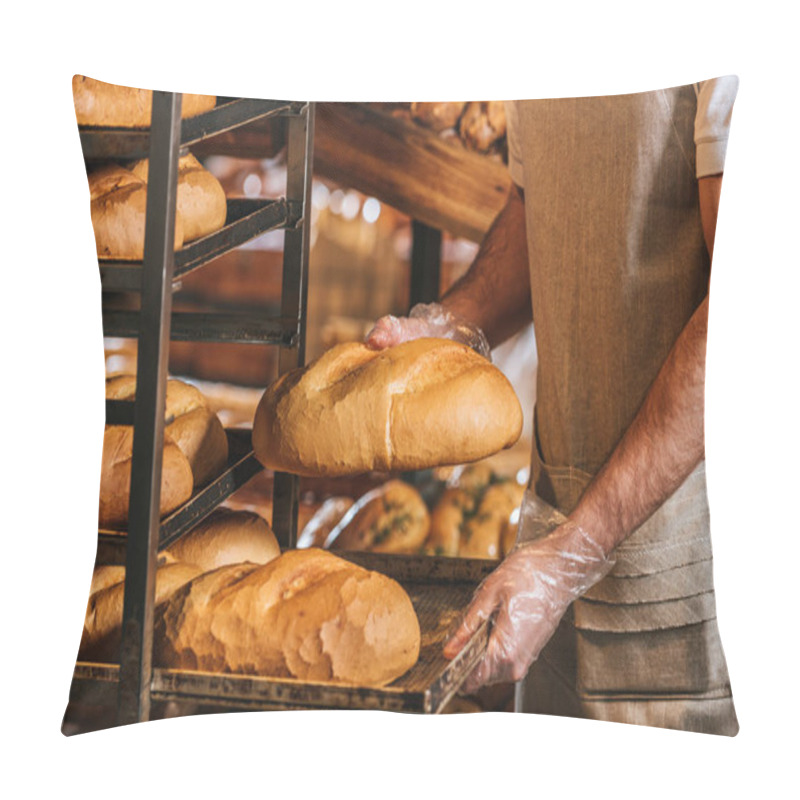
440	589
242	465
245	219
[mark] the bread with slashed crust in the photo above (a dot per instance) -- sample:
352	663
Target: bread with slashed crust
423	403
308	615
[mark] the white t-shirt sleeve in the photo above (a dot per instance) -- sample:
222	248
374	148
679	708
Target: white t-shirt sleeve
714	107
515	166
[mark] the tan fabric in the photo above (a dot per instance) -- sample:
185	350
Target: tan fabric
618	266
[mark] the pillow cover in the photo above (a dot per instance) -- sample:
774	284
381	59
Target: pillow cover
592	217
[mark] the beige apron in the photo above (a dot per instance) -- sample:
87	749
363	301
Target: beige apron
618	265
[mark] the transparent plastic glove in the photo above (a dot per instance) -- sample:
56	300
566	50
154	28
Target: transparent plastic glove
528	594
427	319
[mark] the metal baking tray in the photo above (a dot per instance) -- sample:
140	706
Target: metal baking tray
440	589
101	143
242	465
246	218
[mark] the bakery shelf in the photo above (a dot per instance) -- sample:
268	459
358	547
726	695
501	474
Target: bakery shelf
101	143
209	327
246	219
242	466
440	590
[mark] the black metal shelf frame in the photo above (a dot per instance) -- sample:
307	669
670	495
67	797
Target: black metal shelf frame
154	325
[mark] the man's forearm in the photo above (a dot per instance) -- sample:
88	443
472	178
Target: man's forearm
495	293
659	450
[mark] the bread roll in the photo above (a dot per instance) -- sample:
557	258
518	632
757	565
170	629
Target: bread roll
307	615
227	537
109	105
483	124
115	477
472	518
118	206
420	404
201	199
437	116
190	424
392	518
102	627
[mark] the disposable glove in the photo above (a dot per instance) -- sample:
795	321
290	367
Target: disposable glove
427	319
528	593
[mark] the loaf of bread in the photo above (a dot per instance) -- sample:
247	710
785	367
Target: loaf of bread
118	206
102	627
195	451
115	477
473	518
227	537
306	615
483	124
392	518
421	404
190	424
201	199
108	105
437	116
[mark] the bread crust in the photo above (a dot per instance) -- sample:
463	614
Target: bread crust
424	403
227	537
307	615
106	104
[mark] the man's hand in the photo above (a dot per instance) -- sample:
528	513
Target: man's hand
529	593
431	319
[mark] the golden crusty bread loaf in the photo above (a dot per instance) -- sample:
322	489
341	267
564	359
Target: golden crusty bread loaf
201	199
227	537
307	615
115	477
118	205
109	105
421	404
392	518
190	424
102	627
472	519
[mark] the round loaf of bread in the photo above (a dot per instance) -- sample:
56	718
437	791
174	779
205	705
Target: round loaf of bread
421	404
306	614
118	206
201	199
108	105
227	537
115	477
190	425
392	518
102	627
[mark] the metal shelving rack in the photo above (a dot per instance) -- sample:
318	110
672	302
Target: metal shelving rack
156	277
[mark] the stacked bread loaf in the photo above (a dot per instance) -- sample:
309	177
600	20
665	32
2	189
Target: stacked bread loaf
225	537
119	198
420	404
195	450
108	105
234	604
